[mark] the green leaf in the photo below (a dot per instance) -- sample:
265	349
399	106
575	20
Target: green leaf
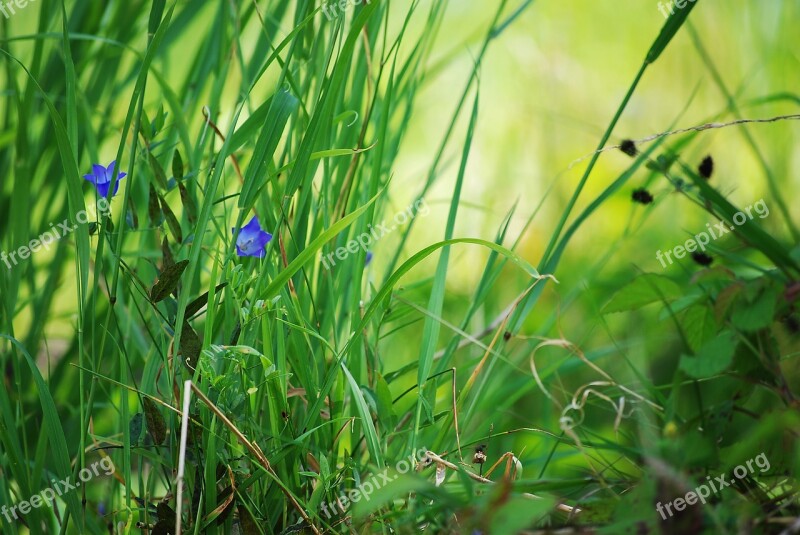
147	126
712	359
386	414
378	301
191	345
517	513
401	485
172	221
158	171
644	290
156	425
177	165
281	108
668	31
311	250
153	207
156	12
370	434
51	424
725	298
697	449
698	325
750	231
756	314
168	281
188	203
195	306
135	427
794	254
426	408
249	129
166	253
160	119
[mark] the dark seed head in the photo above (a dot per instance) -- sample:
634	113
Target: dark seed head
641	195
702	258
792	323
706	167
628	147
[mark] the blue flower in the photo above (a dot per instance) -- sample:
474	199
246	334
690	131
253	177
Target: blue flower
101	178
368	259
252	239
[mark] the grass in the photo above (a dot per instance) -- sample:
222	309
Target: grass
238	394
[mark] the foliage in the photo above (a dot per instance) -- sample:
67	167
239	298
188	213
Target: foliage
307	384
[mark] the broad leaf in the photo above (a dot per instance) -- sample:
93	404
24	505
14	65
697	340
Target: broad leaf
168	281
156	425
713	358
644	290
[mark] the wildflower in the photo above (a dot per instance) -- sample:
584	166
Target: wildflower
702	258
252	239
643	196
629	147
368	259
101	178
706	167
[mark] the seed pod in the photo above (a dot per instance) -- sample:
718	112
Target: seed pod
702	258
642	196
706	167
629	147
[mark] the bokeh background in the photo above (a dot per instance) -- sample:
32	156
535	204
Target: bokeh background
549	86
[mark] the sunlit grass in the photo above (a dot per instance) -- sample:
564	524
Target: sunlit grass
511	316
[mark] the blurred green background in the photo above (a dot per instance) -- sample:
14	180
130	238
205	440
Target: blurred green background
548	86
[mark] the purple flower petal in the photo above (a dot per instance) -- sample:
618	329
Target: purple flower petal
116	186
99	173
252	240
252	226
101	178
102	190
